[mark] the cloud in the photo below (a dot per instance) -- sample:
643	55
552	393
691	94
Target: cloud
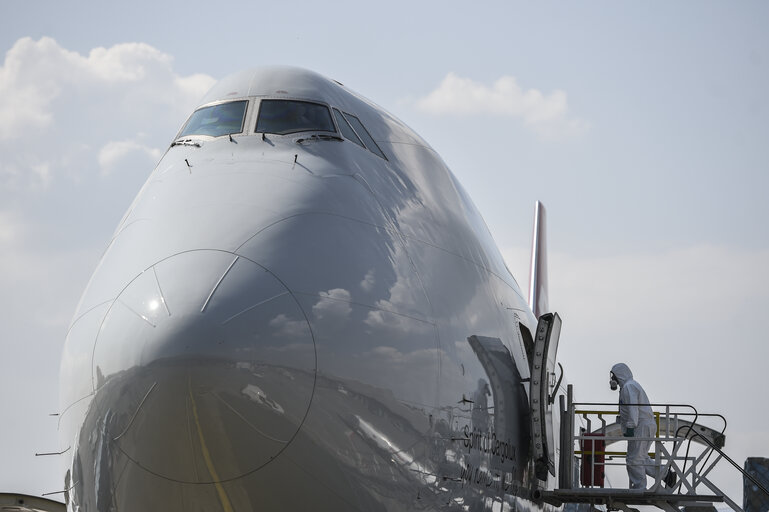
657	310
9	228
548	115
660	286
56	105
112	153
35	73
652	285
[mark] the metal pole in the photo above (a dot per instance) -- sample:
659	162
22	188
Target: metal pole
570	437
564	440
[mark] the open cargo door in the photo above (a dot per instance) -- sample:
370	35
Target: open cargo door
543	384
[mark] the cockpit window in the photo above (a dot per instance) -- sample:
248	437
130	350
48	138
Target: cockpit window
291	116
364	135
346	129
216	120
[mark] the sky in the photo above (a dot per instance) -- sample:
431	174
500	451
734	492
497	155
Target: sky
641	126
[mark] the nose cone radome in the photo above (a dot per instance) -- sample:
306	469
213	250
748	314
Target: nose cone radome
204	368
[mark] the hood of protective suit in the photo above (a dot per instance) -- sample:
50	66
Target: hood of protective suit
622	372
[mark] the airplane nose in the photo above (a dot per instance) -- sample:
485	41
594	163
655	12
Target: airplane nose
204	368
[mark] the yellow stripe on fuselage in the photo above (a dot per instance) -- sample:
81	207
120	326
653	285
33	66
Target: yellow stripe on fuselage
226	505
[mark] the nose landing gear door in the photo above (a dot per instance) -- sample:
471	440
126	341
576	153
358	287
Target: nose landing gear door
542	386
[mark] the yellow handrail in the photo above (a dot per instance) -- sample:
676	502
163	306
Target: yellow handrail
615	413
588	452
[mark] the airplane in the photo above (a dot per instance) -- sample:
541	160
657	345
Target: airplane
302	309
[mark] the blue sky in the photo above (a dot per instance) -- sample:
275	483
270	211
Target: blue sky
640	125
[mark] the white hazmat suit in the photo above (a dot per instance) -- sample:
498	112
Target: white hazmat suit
636	418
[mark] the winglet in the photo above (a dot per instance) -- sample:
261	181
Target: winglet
538	300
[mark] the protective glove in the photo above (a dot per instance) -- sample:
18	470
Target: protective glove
630	432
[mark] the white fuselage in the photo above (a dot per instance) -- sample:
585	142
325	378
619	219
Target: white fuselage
281	322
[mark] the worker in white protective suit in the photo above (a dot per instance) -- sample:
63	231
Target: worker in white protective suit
637	421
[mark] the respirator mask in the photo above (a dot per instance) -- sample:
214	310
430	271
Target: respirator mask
613	384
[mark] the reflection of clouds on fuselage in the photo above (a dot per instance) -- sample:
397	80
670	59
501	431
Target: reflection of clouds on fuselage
405	296
285	326
397	324
385	453
443	286
474	311
362	293
396	296
409	375
276	348
335	308
457	263
351	261
369	281
393	355
435	209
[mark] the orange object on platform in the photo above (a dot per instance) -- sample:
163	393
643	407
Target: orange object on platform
591	473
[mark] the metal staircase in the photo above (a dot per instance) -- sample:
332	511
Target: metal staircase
682	446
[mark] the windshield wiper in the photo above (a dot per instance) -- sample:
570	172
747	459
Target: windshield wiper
185	142
321	136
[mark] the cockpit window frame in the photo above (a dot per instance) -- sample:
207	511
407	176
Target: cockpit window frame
243	121
364	135
340	118
255	122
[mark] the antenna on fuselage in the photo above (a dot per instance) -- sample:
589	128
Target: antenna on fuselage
538	297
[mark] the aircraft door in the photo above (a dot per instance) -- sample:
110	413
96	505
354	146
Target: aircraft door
543	387
507	428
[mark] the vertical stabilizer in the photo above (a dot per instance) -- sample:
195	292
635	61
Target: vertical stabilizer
538	300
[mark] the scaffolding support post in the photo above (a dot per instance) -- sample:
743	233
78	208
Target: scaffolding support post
569	436
563	460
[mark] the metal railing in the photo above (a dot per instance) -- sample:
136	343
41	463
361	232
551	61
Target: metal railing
682	446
